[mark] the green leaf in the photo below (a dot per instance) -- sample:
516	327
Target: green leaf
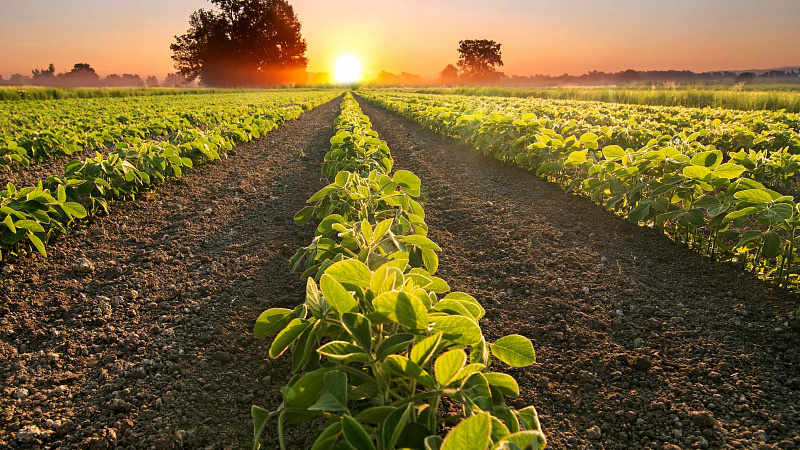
696	172
754	195
285	338
422	351
772	245
304	215
402	308
359	327
505	383
74	209
471	434
37	243
343	350
458	329
316	304
729	171
271	321
447	365
525	439
350	271
30	225
334	397
421	242
260	419
613	152
400	365
355	434
514	350
336	295
305	391
393	344
408	181
392	427
327	439
639	213
529	418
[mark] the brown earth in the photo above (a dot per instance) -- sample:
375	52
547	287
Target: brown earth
154	348
641	343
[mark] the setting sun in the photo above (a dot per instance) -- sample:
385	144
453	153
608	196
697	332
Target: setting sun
347	69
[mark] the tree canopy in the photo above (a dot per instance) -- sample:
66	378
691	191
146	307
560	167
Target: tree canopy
242	43
477	60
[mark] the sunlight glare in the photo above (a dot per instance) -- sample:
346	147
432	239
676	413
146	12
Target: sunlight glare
347	69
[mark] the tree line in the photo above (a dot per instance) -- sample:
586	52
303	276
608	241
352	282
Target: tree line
83	75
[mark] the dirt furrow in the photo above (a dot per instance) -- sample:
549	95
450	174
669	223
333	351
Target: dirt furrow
154	347
641	343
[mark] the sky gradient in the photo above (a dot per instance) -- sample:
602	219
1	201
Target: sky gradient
421	37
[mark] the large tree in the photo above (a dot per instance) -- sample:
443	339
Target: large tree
477	60
242	43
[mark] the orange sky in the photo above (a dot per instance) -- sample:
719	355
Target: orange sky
568	36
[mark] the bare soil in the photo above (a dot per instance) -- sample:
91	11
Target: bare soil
641	343
154	349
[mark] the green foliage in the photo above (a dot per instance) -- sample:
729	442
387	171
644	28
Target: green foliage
378	341
656	166
32	214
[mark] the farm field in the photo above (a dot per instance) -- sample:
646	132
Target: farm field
137	329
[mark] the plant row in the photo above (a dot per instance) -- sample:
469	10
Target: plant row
770	100
775	167
31	214
380	343
707	199
33	132
635	126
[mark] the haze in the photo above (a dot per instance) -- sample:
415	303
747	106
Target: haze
421	37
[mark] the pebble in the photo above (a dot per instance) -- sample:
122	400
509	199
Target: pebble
30	433
642	363
8	269
19	393
637	343
586	291
594	432
703	419
208	212
82	265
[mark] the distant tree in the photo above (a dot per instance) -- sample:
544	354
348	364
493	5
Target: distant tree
244	43
174	80
82	74
320	78
18	79
477	60
44	77
745	77
112	80
449	75
151	81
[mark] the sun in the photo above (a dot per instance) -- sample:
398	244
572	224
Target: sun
347	69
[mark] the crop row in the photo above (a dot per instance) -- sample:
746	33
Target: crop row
31	214
379	340
773	99
776	167
33	132
685	128
706	199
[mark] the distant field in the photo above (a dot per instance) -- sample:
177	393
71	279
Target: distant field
773	97
53	93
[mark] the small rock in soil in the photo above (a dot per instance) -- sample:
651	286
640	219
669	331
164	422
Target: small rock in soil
642	363
20	393
82	265
594	432
703	419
